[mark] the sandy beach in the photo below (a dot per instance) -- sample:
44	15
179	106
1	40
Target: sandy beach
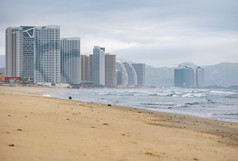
35	128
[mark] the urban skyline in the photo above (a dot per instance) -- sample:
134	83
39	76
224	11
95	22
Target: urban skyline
27	44
37	54
158	33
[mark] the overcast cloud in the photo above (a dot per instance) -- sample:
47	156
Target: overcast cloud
156	32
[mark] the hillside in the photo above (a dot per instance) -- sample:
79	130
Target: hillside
223	74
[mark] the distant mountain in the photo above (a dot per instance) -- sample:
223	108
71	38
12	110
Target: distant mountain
159	76
223	74
2	61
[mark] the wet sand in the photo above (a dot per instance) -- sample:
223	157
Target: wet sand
41	128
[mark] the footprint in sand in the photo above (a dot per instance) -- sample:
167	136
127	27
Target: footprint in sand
11	145
128	135
152	154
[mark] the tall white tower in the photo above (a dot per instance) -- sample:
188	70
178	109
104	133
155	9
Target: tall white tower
99	66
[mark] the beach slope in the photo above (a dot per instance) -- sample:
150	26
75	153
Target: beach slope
42	128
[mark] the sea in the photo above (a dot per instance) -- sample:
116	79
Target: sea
218	104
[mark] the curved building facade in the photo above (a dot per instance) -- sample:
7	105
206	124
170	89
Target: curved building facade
184	77
199	77
122	76
132	76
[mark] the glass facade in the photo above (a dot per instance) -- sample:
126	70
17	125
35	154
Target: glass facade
132	76
122	76
28	52
70	60
47	54
200	77
140	71
184	77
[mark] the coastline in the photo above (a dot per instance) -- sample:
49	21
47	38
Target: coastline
60	129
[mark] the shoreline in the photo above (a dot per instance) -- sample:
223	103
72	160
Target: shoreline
138	106
144	109
179	121
43	91
91	131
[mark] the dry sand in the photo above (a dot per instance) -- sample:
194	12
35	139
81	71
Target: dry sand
40	128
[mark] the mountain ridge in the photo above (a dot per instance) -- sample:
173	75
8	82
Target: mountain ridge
223	74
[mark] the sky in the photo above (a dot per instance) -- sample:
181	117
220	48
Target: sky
160	33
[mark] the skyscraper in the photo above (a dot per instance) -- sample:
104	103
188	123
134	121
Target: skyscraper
20	52
184	77
91	67
27	52
99	66
140	72
132	76
110	70
70	60
178	82
85	68
122	76
47	54
12	52
199	77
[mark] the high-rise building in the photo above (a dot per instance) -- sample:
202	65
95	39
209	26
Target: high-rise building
99	66
27	52
199	77
91	67
132	76
122	76
70	60
184	77
140	72
12	52
85	68
178	82
110	70
47	54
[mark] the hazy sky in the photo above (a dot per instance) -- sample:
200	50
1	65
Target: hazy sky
156	32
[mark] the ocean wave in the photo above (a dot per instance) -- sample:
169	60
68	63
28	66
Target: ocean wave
223	92
220	104
210	101
192	103
231	114
188	95
157	104
232	96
